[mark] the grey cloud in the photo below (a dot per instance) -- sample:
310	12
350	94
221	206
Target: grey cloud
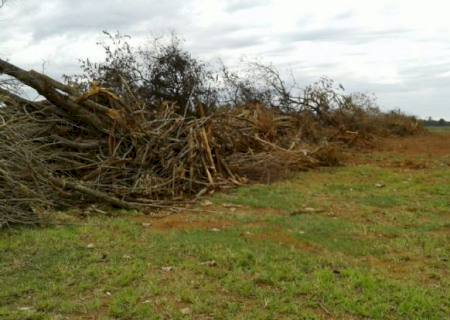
421	92
423	103
344	15
278	49
228	42
349	35
231	29
60	22
226	36
238	5
425	71
69	17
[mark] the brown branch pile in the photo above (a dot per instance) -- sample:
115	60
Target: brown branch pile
77	148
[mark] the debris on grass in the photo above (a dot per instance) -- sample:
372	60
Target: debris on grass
306	211
186	311
167	269
211	263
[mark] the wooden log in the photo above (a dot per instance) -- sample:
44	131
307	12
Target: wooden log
65	183
46	88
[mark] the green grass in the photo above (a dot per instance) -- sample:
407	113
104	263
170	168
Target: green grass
438	129
377	247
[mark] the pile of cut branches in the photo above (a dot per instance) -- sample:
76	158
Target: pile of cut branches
76	147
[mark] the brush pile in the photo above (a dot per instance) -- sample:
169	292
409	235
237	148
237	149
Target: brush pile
71	150
97	145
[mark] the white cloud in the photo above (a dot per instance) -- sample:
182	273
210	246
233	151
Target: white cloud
397	49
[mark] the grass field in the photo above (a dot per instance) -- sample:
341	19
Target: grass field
439	129
368	240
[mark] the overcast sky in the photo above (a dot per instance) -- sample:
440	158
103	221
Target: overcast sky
397	49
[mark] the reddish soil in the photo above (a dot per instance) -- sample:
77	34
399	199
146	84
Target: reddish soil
184	221
212	218
429	145
416	152
283	238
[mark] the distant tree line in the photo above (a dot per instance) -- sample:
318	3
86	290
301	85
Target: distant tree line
436	123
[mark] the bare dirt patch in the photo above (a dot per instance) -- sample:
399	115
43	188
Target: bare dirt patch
207	218
413	152
431	145
283	238
184	221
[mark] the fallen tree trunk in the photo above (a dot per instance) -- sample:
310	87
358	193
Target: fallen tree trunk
47	88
